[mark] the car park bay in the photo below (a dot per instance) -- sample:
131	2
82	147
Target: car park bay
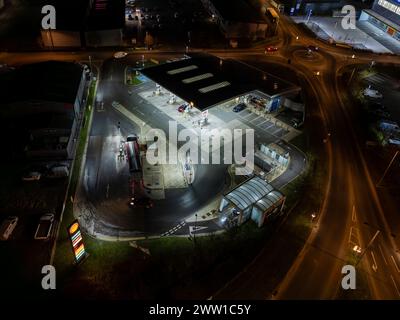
263	123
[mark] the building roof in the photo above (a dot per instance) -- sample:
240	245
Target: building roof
207	80
70	15
82	15
384	19
45	81
239	11
254	191
106	15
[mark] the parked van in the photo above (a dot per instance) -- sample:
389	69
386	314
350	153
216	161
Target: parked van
59	171
7	227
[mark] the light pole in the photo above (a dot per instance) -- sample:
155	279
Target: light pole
195	227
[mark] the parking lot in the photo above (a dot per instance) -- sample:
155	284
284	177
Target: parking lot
28	200
183	22
388	87
268	124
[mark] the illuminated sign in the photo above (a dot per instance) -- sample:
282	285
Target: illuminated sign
75	236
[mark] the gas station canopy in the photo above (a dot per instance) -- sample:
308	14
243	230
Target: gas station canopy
205	80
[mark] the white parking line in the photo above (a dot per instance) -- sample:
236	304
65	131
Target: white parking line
269	126
260	124
383	256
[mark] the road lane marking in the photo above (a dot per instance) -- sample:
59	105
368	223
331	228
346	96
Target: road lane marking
353	237
374	266
395	285
395	264
351	233
353	215
383	256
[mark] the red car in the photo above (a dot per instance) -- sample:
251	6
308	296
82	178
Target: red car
312	48
271	49
141	202
182	108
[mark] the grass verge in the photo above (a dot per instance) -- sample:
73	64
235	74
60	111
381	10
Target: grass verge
63	255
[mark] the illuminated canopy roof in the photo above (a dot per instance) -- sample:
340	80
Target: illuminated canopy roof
207	80
254	191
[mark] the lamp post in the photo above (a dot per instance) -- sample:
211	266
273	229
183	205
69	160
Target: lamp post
195	227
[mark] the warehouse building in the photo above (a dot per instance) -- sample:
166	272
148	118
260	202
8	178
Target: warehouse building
46	101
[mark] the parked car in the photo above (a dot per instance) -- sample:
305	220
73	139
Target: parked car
32	176
7	227
120	54
58	171
312	48
44	227
239	107
372	93
182	108
271	49
142	202
295	122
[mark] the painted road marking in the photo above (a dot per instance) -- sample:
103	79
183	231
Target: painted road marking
353	237
383	256
395	285
374	266
353	214
197	228
395	264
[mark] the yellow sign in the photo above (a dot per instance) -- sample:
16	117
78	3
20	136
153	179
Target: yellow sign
73	228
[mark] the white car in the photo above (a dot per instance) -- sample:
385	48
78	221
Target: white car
44	227
32	176
120	54
58	171
7	227
372	93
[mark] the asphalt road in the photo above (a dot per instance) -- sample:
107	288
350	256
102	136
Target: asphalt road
106	184
316	272
107	187
350	201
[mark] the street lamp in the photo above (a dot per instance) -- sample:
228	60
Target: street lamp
195	227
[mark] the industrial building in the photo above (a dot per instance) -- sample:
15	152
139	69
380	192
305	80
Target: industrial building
385	15
86	23
238	19
45	101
